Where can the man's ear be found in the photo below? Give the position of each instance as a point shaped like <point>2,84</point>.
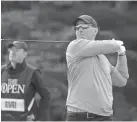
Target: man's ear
<point>96,30</point>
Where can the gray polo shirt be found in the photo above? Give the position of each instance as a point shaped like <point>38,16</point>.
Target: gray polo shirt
<point>91,76</point>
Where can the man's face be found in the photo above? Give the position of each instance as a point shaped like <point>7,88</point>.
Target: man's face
<point>85,31</point>
<point>16,55</point>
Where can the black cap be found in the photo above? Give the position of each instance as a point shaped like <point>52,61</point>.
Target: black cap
<point>87,19</point>
<point>19,44</point>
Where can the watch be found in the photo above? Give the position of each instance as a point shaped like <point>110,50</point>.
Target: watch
<point>122,54</point>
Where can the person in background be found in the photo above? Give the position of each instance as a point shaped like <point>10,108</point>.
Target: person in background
<point>19,83</point>
<point>90,74</point>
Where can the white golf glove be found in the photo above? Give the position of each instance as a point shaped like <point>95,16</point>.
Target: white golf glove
<point>120,43</point>
<point>121,50</point>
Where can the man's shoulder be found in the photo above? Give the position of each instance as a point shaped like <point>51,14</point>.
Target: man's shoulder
<point>33,68</point>
<point>75,45</point>
<point>4,66</point>
<point>71,43</point>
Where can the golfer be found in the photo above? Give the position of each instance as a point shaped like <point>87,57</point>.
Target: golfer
<point>90,74</point>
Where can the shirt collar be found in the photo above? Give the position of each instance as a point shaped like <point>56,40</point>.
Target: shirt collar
<point>19,67</point>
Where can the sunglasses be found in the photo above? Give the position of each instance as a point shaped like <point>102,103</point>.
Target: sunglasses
<point>83,26</point>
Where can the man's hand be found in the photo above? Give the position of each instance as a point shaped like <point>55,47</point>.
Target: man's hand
<point>31,117</point>
<point>122,50</point>
<point>120,43</point>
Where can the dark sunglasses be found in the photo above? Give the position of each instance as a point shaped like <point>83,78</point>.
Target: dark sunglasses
<point>83,26</point>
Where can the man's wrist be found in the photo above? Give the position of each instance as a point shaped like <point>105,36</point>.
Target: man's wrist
<point>122,54</point>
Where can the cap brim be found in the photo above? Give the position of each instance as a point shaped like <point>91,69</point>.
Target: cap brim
<point>75,22</point>
<point>10,45</point>
<point>13,45</point>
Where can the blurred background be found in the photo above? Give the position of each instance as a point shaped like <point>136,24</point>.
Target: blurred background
<point>52,21</point>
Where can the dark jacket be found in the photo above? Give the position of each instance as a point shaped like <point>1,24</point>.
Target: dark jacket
<point>33,83</point>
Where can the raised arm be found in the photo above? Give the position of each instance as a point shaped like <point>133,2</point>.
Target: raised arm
<point>119,73</point>
<point>99,47</point>
<point>85,47</point>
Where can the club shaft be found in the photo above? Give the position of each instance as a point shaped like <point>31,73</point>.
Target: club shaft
<point>45,41</point>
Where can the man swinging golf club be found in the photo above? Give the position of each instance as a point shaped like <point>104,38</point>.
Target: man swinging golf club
<point>90,74</point>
